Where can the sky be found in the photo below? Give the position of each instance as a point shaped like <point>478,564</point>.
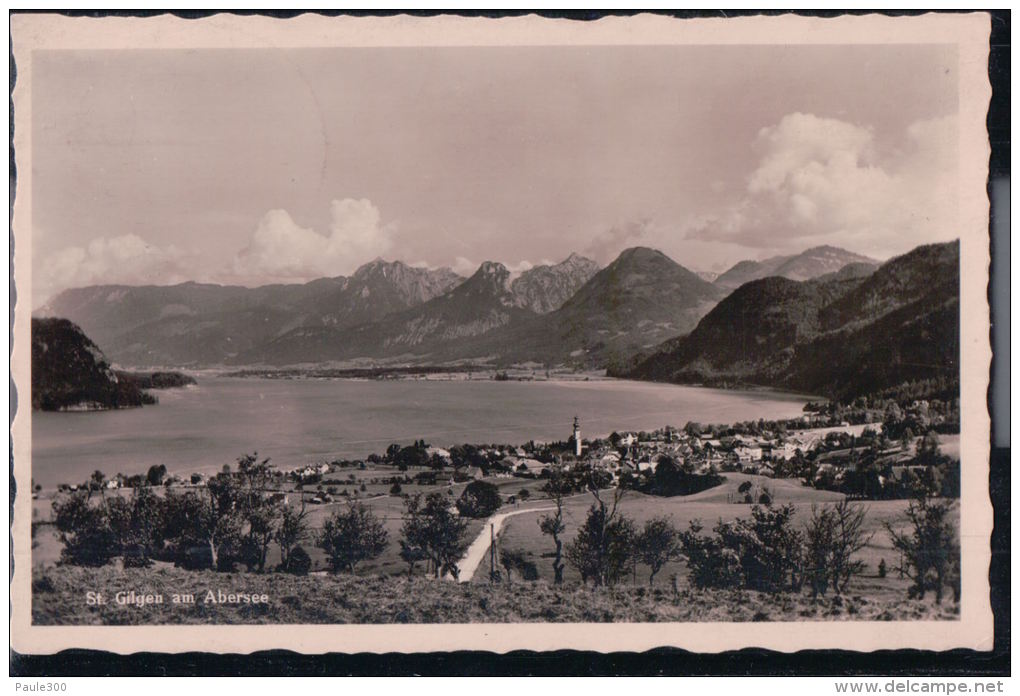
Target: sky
<point>284,165</point>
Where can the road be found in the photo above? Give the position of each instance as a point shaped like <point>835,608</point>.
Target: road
<point>480,546</point>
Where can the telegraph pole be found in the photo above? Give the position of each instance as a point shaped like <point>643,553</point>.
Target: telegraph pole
<point>492,553</point>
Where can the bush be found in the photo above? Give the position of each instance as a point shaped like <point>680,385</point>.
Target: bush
<point>762,553</point>
<point>708,562</point>
<point>514,560</point>
<point>479,499</point>
<point>299,562</point>
<point>84,530</point>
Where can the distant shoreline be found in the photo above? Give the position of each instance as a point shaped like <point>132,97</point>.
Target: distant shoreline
<point>424,373</point>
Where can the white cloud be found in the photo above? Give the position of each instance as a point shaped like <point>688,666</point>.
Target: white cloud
<point>280,249</point>
<point>463,266</point>
<point>608,245</point>
<point>520,267</point>
<point>825,181</point>
<point>126,259</point>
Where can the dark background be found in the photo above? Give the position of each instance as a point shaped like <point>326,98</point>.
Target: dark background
<point>665,661</point>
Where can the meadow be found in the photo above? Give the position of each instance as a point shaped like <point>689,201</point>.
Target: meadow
<point>59,597</point>
<point>382,592</point>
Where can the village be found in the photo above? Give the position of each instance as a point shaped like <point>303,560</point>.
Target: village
<point>821,448</point>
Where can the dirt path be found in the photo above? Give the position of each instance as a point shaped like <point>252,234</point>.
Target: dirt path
<point>480,546</point>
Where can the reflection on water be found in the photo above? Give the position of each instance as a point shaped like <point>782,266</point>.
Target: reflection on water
<point>302,421</point>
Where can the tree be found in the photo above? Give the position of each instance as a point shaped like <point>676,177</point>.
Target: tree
<point>291,532</point>
<point>260,510</point>
<point>97,482</point>
<point>219,522</point>
<point>553,525</point>
<point>657,544</point>
<point>524,494</point>
<point>137,525</point>
<point>414,455</point>
<point>433,533</point>
<point>479,499</point>
<point>928,547</point>
<point>927,450</point>
<point>84,530</point>
<point>156,475</point>
<point>604,544</point>
<point>834,535</point>
<point>350,537</point>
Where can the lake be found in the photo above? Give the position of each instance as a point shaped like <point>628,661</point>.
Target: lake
<point>297,422</point>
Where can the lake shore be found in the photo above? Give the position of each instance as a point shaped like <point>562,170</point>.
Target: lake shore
<point>301,421</point>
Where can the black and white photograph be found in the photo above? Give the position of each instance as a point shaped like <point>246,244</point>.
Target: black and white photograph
<point>503,328</point>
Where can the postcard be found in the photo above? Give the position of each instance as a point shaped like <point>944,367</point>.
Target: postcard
<point>373,334</point>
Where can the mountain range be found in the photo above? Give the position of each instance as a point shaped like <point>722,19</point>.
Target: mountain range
<point>806,265</point>
<point>840,335</point>
<point>570,313</point>
<point>639,300</point>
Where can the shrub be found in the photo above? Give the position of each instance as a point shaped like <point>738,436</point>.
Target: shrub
<point>882,569</point>
<point>298,562</point>
<point>84,530</point>
<point>479,499</point>
<point>761,553</point>
<point>514,560</point>
<point>708,562</point>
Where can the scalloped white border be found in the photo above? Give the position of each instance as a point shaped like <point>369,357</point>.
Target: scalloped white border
<point>970,32</point>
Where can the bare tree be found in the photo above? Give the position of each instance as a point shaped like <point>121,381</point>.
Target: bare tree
<point>553,525</point>
<point>834,535</point>
<point>929,548</point>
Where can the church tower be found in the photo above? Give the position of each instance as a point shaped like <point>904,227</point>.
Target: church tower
<point>577,438</point>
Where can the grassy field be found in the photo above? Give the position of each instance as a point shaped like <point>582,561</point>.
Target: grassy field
<point>521,532</point>
<point>59,597</point>
<point>46,547</point>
